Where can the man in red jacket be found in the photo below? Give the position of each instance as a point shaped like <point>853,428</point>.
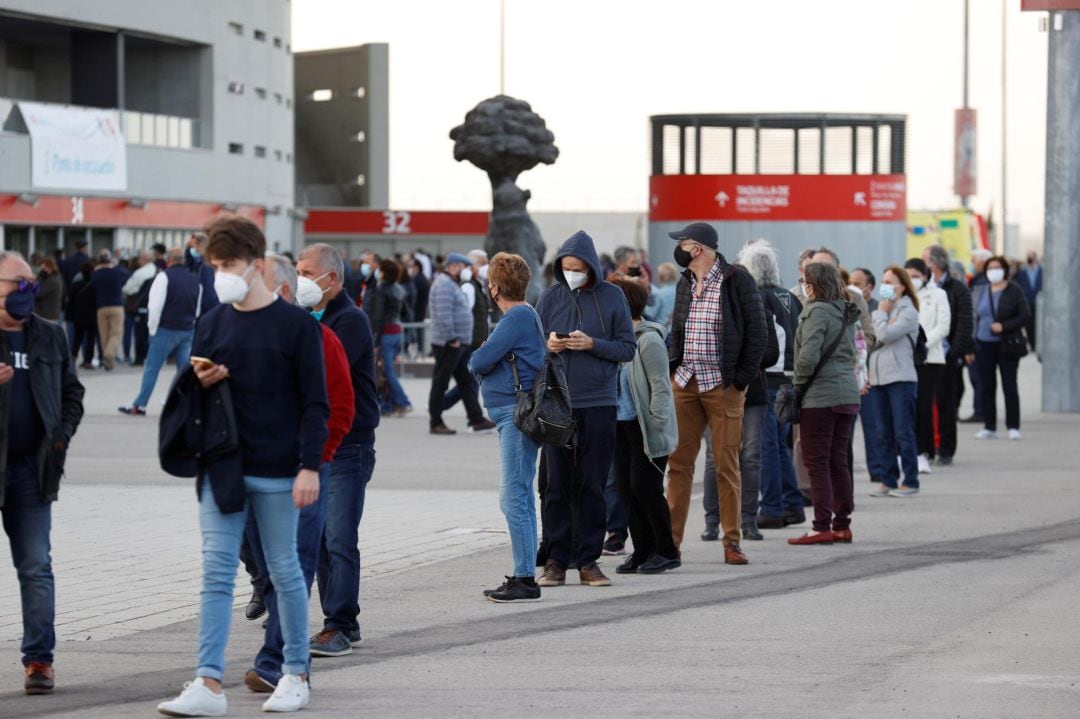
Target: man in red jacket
<point>280,275</point>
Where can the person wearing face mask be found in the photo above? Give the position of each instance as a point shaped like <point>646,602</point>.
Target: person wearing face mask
<point>270,354</point>
<point>451,335</point>
<point>319,288</point>
<point>480,306</point>
<point>279,273</point>
<point>1001,313</point>
<point>894,382</point>
<point>517,336</point>
<point>173,307</point>
<point>935,318</point>
<point>587,323</point>
<point>40,409</point>
<point>195,261</point>
<point>718,338</point>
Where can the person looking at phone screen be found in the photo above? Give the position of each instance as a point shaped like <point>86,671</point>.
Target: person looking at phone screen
<point>270,354</point>
<point>587,323</point>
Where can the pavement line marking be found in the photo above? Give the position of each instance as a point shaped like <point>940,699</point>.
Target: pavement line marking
<point>148,687</point>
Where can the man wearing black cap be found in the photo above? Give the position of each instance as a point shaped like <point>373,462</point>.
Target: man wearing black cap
<point>718,336</point>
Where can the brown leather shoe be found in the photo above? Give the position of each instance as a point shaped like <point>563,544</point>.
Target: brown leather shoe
<point>733,554</point>
<point>591,576</point>
<point>553,576</point>
<point>40,678</point>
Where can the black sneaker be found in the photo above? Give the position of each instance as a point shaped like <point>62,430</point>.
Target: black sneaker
<point>442,429</point>
<point>518,589</point>
<point>501,588</point>
<point>133,410</point>
<point>944,461</point>
<point>629,566</point>
<point>615,545</point>
<point>658,564</point>
<point>771,521</point>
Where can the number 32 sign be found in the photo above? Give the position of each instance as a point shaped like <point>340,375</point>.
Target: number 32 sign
<point>396,223</point>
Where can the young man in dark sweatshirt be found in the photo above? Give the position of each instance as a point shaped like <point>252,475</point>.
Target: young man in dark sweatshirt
<point>354,462</point>
<point>270,354</point>
<point>587,322</point>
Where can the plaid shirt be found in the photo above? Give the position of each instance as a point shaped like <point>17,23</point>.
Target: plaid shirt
<point>701,341</point>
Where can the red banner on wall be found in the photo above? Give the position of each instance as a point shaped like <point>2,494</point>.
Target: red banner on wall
<point>112,212</point>
<point>878,198</point>
<point>1026,5</point>
<point>394,222</point>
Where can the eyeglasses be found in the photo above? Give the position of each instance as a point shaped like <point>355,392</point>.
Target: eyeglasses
<point>24,285</point>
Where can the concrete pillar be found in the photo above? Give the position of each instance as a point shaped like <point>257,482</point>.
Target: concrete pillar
<point>31,244</point>
<point>2,246</point>
<point>1059,340</point>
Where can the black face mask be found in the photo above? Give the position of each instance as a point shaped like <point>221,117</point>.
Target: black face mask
<point>633,271</point>
<point>682,257</point>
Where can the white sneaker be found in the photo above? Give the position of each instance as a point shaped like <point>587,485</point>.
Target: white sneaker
<point>195,701</point>
<point>1014,434</point>
<point>291,695</point>
<point>986,434</point>
<point>924,464</point>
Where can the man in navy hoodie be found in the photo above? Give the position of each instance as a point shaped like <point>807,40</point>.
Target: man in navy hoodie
<point>587,322</point>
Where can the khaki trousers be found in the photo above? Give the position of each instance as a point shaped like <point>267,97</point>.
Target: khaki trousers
<point>721,410</point>
<point>110,322</point>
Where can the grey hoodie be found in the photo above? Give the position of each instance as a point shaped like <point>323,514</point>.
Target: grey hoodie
<point>893,357</point>
<point>650,388</point>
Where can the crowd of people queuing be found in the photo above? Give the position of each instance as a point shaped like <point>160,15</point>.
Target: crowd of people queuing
<point>288,366</point>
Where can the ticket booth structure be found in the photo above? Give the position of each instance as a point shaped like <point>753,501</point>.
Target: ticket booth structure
<point>390,232</point>
<point>796,180</point>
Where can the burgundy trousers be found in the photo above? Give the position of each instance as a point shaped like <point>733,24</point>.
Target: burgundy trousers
<point>825,432</point>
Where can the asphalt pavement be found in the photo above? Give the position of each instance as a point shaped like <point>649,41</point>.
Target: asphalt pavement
<point>961,602</point>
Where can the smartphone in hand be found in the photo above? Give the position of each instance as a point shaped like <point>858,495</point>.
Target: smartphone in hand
<point>202,362</point>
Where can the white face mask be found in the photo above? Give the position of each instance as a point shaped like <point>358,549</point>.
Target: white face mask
<point>466,275</point>
<point>995,275</point>
<point>230,288</point>
<point>575,279</point>
<point>482,273</point>
<point>308,293</point>
<point>918,282</point>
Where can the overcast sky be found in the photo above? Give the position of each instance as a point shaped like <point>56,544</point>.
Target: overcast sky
<point>596,69</point>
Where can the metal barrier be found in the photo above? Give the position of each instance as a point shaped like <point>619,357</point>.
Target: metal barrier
<point>417,342</point>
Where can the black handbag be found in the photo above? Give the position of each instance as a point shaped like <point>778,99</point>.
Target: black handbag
<point>1013,345</point>
<point>789,398</point>
<point>545,414</point>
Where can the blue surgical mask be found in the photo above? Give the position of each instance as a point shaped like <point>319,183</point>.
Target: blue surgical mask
<point>195,254</point>
<point>887,292</point>
<point>365,270</point>
<point>20,304</point>
<point>318,314</point>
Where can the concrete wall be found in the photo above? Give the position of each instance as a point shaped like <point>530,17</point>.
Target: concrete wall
<point>873,245</point>
<point>46,76</point>
<point>204,174</point>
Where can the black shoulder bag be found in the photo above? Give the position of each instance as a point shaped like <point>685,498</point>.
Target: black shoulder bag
<point>545,414</point>
<point>1014,344</point>
<point>789,397</point>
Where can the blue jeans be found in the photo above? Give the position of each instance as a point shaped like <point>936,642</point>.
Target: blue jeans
<point>516,497</point>
<point>618,522</point>
<point>339,552</point>
<point>895,406</point>
<point>163,345</point>
<point>27,522</point>
<point>389,349</point>
<point>779,487</point>
<point>872,440</point>
<point>309,531</point>
<point>271,501</point>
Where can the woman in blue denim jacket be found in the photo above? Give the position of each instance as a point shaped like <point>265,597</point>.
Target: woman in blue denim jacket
<point>518,332</point>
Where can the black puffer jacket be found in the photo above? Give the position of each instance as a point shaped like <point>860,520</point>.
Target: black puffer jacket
<point>1010,309</point>
<point>58,396</point>
<point>384,305</point>
<point>744,336</point>
<point>961,320</point>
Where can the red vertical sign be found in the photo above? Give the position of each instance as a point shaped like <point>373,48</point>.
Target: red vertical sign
<point>964,165</point>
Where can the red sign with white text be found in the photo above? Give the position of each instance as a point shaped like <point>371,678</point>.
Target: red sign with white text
<point>75,211</point>
<point>394,222</point>
<point>867,198</point>
<point>1026,5</point>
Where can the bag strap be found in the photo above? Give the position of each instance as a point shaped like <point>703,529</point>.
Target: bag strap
<point>826,355</point>
<point>513,368</point>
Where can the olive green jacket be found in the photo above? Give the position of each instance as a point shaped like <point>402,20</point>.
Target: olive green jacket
<point>819,324</point>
